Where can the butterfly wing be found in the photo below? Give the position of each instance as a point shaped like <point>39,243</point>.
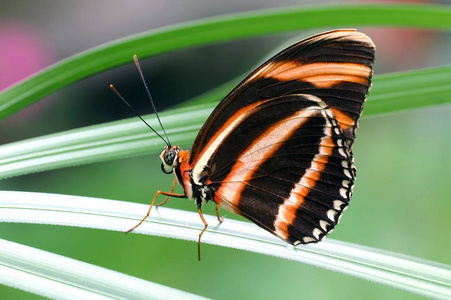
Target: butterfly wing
<point>277,149</point>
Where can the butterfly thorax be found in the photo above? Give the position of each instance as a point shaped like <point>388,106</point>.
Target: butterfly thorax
<point>174,160</point>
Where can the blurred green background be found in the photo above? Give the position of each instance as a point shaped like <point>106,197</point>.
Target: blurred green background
<point>401,199</point>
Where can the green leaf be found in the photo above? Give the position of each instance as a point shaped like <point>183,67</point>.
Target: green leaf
<point>56,277</point>
<point>390,93</point>
<point>421,277</point>
<point>213,30</point>
<point>408,90</point>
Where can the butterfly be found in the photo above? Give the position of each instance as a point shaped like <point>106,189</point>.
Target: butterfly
<point>277,149</point>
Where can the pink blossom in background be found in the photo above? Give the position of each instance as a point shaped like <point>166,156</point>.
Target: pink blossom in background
<point>23,51</point>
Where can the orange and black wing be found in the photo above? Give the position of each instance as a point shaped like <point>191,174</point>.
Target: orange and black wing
<point>277,149</point>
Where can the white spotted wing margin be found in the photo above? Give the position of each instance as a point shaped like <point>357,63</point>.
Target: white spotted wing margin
<point>278,149</point>
<point>295,177</point>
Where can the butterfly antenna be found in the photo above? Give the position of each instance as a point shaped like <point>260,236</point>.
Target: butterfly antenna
<point>136,113</point>
<point>135,58</point>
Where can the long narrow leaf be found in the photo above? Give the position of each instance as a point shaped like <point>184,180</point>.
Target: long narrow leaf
<point>414,275</point>
<point>390,93</point>
<point>58,277</point>
<point>408,90</point>
<point>212,30</point>
<point>98,143</point>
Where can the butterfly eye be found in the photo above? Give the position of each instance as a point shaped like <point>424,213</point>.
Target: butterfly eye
<point>169,158</point>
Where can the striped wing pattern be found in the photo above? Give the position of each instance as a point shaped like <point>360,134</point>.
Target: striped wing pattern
<point>277,149</point>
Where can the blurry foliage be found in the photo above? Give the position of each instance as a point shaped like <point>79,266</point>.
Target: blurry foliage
<point>401,200</point>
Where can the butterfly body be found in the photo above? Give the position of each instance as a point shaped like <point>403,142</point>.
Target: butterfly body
<point>278,149</point>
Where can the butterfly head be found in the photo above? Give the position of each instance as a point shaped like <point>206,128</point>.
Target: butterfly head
<point>169,158</point>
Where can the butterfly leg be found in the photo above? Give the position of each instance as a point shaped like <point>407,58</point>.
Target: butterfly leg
<point>203,230</point>
<point>220,219</point>
<point>172,189</point>
<point>153,202</point>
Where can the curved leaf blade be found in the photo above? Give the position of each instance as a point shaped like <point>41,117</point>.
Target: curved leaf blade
<point>417,276</point>
<point>213,30</point>
<point>55,276</point>
<point>390,93</point>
